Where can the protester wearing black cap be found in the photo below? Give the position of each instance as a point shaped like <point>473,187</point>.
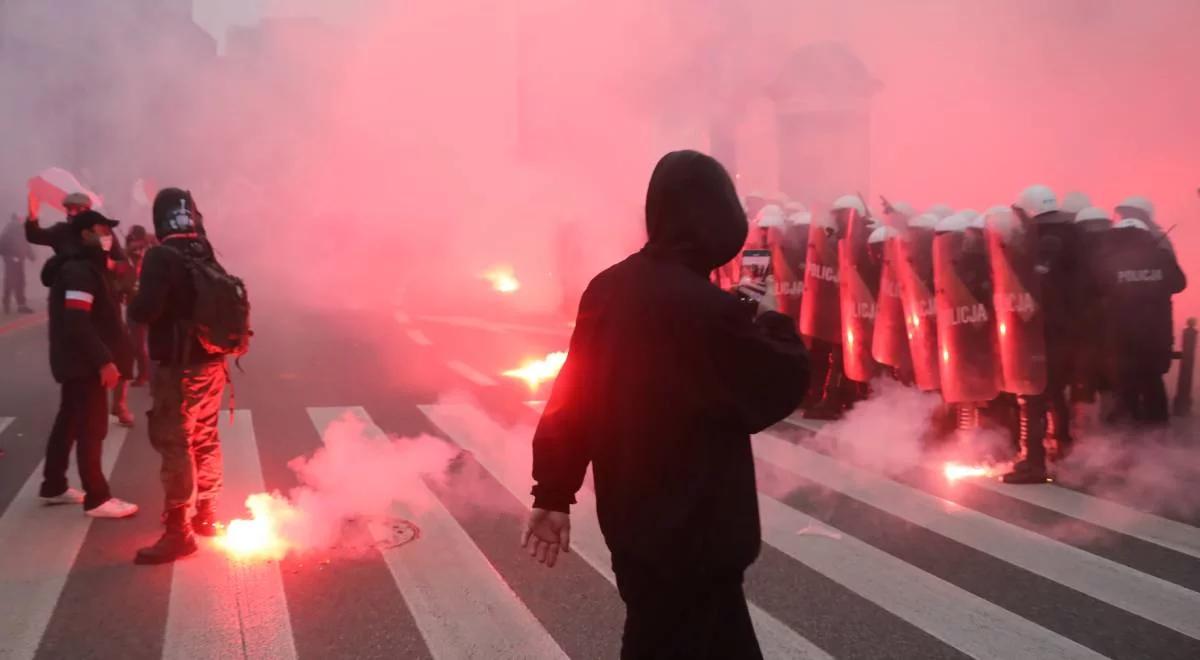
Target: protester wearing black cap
<point>89,352</point>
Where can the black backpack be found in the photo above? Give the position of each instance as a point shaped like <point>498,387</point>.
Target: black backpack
<point>221,316</point>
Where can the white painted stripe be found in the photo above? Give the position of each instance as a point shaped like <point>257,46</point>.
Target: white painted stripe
<point>508,455</point>
<point>1149,597</point>
<point>402,318</point>
<point>461,604</point>
<point>813,425</point>
<point>221,607</point>
<point>40,544</point>
<point>83,296</point>
<point>1148,527</point>
<point>470,374</point>
<point>4,422</point>
<point>419,337</point>
<point>961,619</point>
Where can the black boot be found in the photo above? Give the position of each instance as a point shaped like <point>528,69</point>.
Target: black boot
<point>1032,468</point>
<point>176,542</point>
<point>204,522</point>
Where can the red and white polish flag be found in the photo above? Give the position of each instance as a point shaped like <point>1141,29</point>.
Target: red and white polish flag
<point>53,184</point>
<point>80,300</point>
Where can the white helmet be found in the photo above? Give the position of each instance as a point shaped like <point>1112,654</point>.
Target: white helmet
<point>1037,200</point>
<point>882,234</point>
<point>827,222</point>
<point>970,215</point>
<point>956,222</point>
<point>850,202</point>
<point>1093,214</point>
<point>793,207</point>
<point>940,211</point>
<point>799,218</point>
<point>924,221</point>
<point>769,216</point>
<point>1004,223</point>
<point>904,208</point>
<point>1074,202</point>
<point>1138,204</point>
<point>1131,223</point>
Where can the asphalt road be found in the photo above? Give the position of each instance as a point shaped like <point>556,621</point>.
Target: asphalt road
<point>854,564</point>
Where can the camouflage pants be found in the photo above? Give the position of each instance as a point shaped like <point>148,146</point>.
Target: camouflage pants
<point>183,429</point>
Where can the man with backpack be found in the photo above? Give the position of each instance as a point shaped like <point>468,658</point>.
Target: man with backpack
<point>197,315</point>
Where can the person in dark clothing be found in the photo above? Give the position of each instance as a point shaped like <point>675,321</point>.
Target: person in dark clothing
<point>188,382</point>
<point>89,350</point>
<point>137,242</point>
<point>1047,415</point>
<point>15,251</point>
<point>1138,275</point>
<point>666,378</point>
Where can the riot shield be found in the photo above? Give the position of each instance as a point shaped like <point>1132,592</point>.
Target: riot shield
<point>1020,327</point>
<point>965,318</point>
<point>889,343</point>
<point>915,262</point>
<point>858,287</point>
<point>788,252</point>
<point>820,308</point>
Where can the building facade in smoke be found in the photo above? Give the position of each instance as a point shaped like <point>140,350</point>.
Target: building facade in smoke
<point>97,87</point>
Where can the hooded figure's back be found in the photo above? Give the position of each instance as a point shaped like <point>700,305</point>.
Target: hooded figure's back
<point>666,379</point>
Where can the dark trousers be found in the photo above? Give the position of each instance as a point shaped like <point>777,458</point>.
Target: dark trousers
<point>14,281</point>
<point>684,618</point>
<point>83,422</point>
<point>1142,395</point>
<point>141,357</point>
<point>183,429</point>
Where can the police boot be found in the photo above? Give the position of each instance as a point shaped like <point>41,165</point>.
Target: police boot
<point>1031,469</point>
<point>175,543</point>
<point>204,522</point>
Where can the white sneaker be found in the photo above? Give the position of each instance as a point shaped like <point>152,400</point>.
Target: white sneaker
<point>113,508</point>
<point>68,496</point>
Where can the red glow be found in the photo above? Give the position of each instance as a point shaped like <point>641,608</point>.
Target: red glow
<point>536,372</point>
<point>956,471</point>
<point>502,279</point>
<point>254,538</point>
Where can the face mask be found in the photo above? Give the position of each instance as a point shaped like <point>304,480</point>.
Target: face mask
<point>106,243</point>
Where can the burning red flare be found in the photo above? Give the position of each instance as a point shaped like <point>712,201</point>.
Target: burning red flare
<point>255,538</point>
<point>536,372</point>
<point>955,471</point>
<point>503,279</point>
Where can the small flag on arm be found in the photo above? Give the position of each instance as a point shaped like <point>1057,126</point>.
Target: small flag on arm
<point>80,300</point>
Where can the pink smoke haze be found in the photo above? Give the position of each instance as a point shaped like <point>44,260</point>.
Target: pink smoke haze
<point>354,476</point>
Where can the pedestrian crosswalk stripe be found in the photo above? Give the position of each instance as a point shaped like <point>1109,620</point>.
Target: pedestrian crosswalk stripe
<point>1169,534</point>
<point>973,625</point>
<point>508,459</point>
<point>470,374</point>
<point>39,545</point>
<point>222,607</point>
<point>1149,597</point>
<point>458,599</point>
<point>1176,536</point>
<point>4,422</point>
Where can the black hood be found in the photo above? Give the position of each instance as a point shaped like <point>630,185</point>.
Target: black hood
<point>175,212</point>
<point>693,213</point>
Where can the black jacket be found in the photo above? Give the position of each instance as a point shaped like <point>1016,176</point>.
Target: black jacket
<point>1137,275</point>
<point>165,298</point>
<point>1058,258</point>
<point>59,237</point>
<point>86,331</point>
<point>666,378</point>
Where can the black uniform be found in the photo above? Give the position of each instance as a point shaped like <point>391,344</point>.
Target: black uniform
<point>1062,300</point>
<point>667,377</point>
<point>86,333</point>
<point>1137,276</point>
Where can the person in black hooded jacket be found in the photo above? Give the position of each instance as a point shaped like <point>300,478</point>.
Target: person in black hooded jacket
<point>89,352</point>
<point>666,378</point>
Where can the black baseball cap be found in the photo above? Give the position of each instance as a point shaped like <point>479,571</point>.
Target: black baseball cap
<point>89,219</point>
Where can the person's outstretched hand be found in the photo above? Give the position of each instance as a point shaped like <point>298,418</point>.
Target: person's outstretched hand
<point>34,206</point>
<point>546,534</point>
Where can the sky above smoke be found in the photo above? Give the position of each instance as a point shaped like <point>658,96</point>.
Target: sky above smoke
<point>408,147</point>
